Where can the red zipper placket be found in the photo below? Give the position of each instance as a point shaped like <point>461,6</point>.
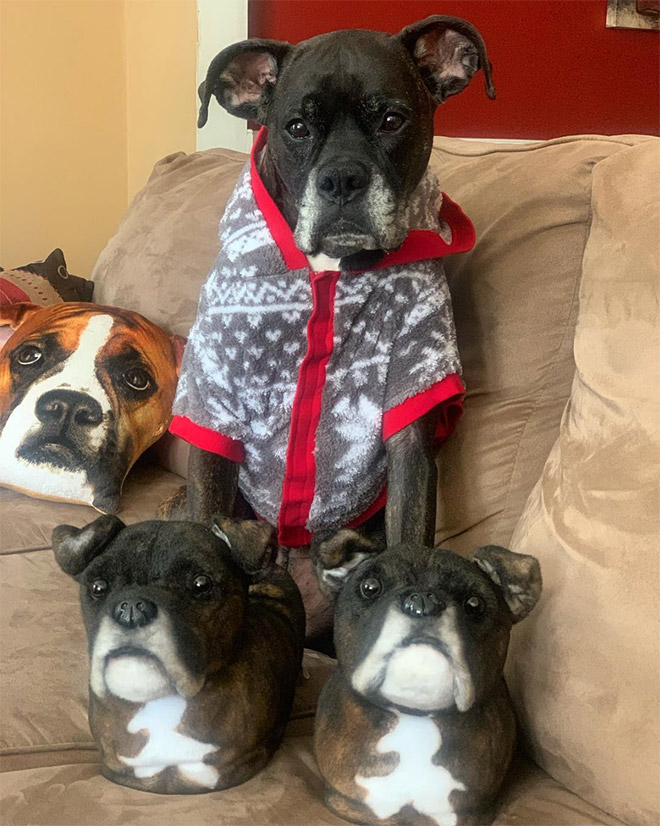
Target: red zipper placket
<point>300,474</point>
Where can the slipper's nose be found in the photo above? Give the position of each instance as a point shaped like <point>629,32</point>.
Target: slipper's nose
<point>134,613</point>
<point>423,604</point>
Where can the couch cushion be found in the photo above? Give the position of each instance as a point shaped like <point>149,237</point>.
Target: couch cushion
<point>168,240</point>
<point>288,792</point>
<point>514,299</point>
<point>584,668</point>
<point>515,304</point>
<point>27,523</point>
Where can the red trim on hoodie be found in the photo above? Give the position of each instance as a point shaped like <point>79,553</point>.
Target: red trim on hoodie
<point>280,230</point>
<point>207,439</point>
<point>419,245</point>
<point>300,473</point>
<point>447,393</point>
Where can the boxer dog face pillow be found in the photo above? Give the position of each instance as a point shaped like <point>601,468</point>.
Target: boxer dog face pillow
<point>84,390</point>
<point>416,724</point>
<point>195,643</point>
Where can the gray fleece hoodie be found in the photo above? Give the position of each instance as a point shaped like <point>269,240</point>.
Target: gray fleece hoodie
<point>301,376</point>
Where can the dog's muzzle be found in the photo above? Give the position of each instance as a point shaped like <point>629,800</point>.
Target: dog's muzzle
<point>341,182</point>
<point>136,675</point>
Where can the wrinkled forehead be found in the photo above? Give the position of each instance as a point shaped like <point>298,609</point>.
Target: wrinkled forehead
<point>152,551</point>
<point>425,567</point>
<point>66,328</point>
<point>105,335</point>
<point>355,65</point>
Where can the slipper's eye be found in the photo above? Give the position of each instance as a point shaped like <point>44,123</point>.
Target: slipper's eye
<point>202,585</point>
<point>474,607</point>
<point>371,587</point>
<point>99,588</point>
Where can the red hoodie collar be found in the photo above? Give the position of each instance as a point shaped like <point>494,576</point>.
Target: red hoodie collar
<point>419,245</point>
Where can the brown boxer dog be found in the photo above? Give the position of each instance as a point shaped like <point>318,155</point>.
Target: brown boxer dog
<point>84,390</point>
<point>337,426</point>
<point>195,644</point>
<point>416,726</point>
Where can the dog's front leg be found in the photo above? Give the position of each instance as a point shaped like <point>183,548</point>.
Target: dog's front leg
<point>411,484</point>
<point>212,485</point>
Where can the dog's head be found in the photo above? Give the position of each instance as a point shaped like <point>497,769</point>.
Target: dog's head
<point>425,630</point>
<point>84,390</point>
<point>350,122</point>
<point>164,603</point>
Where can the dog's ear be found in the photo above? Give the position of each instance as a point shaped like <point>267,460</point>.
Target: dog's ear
<point>242,78</point>
<point>337,556</point>
<point>447,51</point>
<point>253,544</point>
<point>76,547</point>
<point>517,575</point>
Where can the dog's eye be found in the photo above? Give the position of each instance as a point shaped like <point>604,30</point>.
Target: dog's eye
<point>137,379</point>
<point>392,122</point>
<point>99,588</point>
<point>297,129</point>
<point>371,587</point>
<point>28,354</point>
<point>474,606</point>
<point>202,585</point>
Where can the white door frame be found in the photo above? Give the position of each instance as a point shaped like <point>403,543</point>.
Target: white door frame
<point>220,23</point>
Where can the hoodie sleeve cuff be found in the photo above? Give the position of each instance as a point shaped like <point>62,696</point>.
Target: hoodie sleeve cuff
<point>207,439</point>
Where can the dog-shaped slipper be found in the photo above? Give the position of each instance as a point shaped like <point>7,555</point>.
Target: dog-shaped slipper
<point>416,726</point>
<point>195,644</point>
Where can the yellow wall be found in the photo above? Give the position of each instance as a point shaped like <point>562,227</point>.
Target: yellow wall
<point>161,54</point>
<point>93,93</point>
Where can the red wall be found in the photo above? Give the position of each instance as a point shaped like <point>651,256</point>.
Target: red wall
<point>557,69</point>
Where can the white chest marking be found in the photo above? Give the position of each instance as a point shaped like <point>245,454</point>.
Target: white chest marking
<point>167,747</point>
<point>415,781</point>
<point>322,262</point>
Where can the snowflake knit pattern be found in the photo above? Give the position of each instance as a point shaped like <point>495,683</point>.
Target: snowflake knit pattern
<point>299,370</point>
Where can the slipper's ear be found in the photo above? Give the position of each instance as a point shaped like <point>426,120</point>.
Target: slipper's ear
<point>447,51</point>
<point>242,78</point>
<point>517,575</point>
<point>336,557</point>
<point>252,544</point>
<point>76,547</point>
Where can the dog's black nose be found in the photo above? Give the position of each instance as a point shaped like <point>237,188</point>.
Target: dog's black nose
<point>423,604</point>
<point>341,182</point>
<point>68,408</point>
<point>134,613</point>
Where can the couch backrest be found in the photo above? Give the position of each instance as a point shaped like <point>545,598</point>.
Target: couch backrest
<point>515,299</point>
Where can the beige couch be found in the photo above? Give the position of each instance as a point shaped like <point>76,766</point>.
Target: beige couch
<point>557,455</point>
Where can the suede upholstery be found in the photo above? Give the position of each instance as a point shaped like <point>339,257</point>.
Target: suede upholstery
<point>566,237</point>
<point>593,718</point>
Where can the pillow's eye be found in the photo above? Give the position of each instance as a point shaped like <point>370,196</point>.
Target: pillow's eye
<point>297,129</point>
<point>28,354</point>
<point>392,122</point>
<point>99,588</point>
<point>474,607</point>
<point>371,587</point>
<point>137,379</point>
<point>202,585</point>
